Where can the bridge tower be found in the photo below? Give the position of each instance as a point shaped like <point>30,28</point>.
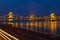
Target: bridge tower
<point>52,16</point>
<point>10,17</point>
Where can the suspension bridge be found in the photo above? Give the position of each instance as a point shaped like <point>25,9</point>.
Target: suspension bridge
<point>10,17</point>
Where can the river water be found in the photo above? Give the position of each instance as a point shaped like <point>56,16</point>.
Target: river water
<point>52,27</point>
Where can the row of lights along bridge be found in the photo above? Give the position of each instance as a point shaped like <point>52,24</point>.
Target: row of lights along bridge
<point>10,17</point>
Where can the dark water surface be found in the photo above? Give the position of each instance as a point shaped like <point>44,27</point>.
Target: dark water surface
<point>52,27</point>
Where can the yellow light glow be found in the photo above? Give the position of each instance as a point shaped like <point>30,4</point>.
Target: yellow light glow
<point>40,24</point>
<point>45,24</point>
<point>31,24</point>
<point>27,25</point>
<point>32,17</point>
<point>52,16</point>
<point>36,24</point>
<point>16,24</point>
<point>53,26</point>
<point>21,25</point>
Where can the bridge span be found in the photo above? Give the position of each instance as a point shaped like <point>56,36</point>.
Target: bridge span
<point>10,17</point>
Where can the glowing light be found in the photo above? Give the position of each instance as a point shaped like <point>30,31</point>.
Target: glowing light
<point>32,17</point>
<point>31,24</point>
<point>27,24</point>
<point>45,24</point>
<point>10,15</point>
<point>16,24</point>
<point>52,16</point>
<point>36,24</point>
<point>40,24</point>
<point>21,24</point>
<point>53,26</point>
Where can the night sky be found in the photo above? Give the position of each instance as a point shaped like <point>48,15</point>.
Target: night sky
<point>27,7</point>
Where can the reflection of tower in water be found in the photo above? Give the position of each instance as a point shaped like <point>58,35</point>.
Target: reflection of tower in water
<point>21,24</point>
<point>27,25</point>
<point>31,25</point>
<point>16,25</point>
<point>53,26</point>
<point>36,25</point>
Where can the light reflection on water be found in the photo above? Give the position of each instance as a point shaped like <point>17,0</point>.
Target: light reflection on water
<point>46,26</point>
